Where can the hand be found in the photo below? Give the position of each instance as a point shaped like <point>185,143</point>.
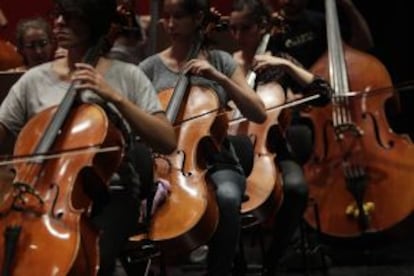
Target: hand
<point>202,68</point>
<point>60,53</point>
<point>321,87</point>
<point>263,62</point>
<point>91,79</point>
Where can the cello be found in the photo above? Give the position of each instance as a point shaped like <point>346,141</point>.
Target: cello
<point>360,173</point>
<point>64,154</point>
<point>189,216</point>
<point>9,57</point>
<point>264,195</point>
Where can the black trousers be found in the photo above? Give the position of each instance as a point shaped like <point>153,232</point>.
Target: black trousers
<point>292,152</point>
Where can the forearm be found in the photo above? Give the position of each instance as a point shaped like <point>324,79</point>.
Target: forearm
<point>154,129</point>
<point>302,76</point>
<point>244,97</point>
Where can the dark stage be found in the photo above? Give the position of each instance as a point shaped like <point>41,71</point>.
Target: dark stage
<point>312,255</point>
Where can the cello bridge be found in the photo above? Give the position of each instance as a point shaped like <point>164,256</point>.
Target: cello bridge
<point>353,211</point>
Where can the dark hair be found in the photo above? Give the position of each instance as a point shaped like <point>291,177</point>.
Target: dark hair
<point>31,23</point>
<point>257,11</point>
<point>97,14</point>
<point>194,6</point>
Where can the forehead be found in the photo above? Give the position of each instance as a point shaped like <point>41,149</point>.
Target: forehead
<point>33,32</point>
<point>238,17</point>
<point>173,4</point>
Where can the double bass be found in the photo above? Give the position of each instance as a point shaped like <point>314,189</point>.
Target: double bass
<point>62,156</point>
<point>360,173</point>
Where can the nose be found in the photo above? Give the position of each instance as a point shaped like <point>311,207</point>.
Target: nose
<point>236,33</point>
<point>38,49</point>
<point>59,19</point>
<point>169,21</point>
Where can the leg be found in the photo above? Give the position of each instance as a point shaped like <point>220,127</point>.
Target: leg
<point>222,247</point>
<point>290,214</point>
<point>117,221</point>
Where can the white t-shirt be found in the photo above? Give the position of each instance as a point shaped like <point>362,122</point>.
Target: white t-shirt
<point>40,88</point>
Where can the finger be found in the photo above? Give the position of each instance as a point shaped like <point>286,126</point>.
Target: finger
<point>84,66</point>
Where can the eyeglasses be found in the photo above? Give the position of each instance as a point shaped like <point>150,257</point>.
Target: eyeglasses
<point>36,44</point>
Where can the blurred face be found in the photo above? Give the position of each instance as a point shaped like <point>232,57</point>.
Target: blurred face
<point>246,32</point>
<point>70,30</point>
<point>36,47</point>
<point>178,23</point>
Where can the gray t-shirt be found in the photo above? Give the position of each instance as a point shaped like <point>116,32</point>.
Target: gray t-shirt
<point>40,88</point>
<point>163,78</point>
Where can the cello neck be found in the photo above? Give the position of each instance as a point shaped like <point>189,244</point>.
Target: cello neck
<point>183,81</point>
<point>261,49</point>
<point>52,130</point>
<point>337,66</point>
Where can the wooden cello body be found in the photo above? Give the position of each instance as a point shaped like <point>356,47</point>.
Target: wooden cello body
<point>360,173</point>
<point>9,57</point>
<point>264,184</point>
<point>189,216</point>
<point>46,210</point>
<point>66,154</point>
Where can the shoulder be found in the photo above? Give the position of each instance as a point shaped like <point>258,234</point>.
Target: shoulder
<point>125,69</point>
<point>150,61</point>
<point>220,54</point>
<point>38,74</point>
<point>221,58</point>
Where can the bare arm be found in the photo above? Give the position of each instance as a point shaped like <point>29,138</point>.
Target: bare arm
<point>302,76</point>
<point>155,129</point>
<point>3,19</point>
<point>247,101</point>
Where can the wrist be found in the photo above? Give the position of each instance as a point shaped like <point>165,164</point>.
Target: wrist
<point>117,99</point>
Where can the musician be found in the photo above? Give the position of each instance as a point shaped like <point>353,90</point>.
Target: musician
<point>34,42</point>
<point>249,20</point>
<point>122,85</point>
<point>131,43</point>
<point>305,38</point>
<point>217,70</point>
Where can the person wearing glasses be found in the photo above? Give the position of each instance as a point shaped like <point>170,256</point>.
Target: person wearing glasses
<point>121,88</point>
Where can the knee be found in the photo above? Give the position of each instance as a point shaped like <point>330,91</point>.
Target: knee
<point>229,196</point>
<point>294,187</point>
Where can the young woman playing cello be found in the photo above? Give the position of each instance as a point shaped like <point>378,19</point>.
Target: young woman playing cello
<point>215,69</point>
<point>77,28</point>
<point>249,21</point>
